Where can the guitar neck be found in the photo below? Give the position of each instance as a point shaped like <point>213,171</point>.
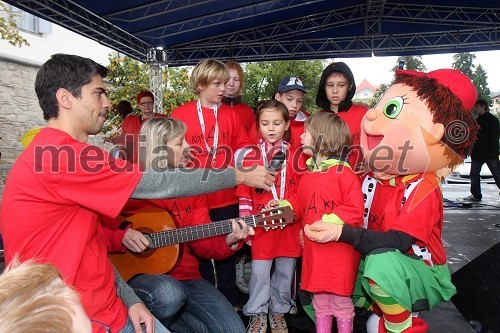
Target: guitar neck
<point>183,235</point>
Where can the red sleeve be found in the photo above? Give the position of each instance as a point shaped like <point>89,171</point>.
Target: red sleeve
<point>421,212</point>
<point>350,205</point>
<point>240,138</point>
<point>210,248</point>
<point>113,235</point>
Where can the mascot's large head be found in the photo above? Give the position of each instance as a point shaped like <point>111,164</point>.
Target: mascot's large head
<point>422,123</point>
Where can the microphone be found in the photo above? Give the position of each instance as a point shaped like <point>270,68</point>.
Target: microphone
<point>275,164</point>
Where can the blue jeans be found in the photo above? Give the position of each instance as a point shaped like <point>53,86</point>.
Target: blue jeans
<point>162,294</point>
<point>129,328</point>
<point>206,311</point>
<point>475,179</point>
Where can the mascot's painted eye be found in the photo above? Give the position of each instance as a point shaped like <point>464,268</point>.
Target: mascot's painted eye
<point>393,107</point>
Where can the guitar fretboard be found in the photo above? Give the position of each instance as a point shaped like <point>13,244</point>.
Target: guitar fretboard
<point>176,236</point>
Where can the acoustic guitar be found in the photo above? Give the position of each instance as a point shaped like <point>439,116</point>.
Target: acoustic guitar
<point>157,225</point>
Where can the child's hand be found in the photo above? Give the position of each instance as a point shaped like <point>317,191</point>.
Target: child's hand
<point>272,204</point>
<point>322,232</point>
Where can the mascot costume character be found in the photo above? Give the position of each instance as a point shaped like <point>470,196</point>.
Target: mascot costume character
<point>422,124</point>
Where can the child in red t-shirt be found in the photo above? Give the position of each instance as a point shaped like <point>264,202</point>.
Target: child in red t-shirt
<point>271,293</point>
<point>329,191</point>
<point>335,92</point>
<point>233,98</point>
<point>213,131</point>
<point>291,92</point>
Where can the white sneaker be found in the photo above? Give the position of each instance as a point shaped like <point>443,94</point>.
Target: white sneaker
<point>372,324</point>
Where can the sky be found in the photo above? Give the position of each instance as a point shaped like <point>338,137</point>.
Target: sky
<point>377,70</point>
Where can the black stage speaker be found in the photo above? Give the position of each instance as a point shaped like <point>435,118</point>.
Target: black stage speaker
<point>478,289</point>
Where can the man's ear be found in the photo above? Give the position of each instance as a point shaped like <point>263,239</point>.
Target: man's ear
<point>63,97</point>
<point>434,135</point>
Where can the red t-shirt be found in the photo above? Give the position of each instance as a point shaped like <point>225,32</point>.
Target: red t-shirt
<point>297,128</point>
<point>352,118</point>
<point>187,212</point>
<point>49,213</point>
<point>231,138</point>
<point>247,118</point>
<point>273,243</point>
<point>329,267</point>
<point>421,215</point>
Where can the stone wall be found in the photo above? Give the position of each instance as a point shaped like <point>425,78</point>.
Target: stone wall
<point>19,110</point>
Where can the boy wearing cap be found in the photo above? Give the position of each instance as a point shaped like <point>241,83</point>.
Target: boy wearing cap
<point>422,124</point>
<point>291,91</point>
<point>335,91</point>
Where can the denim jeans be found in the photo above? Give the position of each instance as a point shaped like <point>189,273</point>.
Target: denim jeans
<point>162,294</point>
<point>206,311</point>
<point>129,328</point>
<point>475,179</point>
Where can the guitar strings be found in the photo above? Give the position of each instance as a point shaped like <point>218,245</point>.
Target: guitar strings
<point>176,236</point>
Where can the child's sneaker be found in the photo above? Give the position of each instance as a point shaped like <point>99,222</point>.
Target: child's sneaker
<point>257,324</point>
<point>278,323</point>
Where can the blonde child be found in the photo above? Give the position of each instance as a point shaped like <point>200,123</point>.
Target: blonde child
<point>329,191</point>
<point>213,131</point>
<point>280,247</point>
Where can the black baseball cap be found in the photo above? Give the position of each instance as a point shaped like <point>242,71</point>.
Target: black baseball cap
<point>291,83</point>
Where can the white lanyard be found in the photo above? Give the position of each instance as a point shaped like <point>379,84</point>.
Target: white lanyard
<point>202,124</point>
<point>283,171</point>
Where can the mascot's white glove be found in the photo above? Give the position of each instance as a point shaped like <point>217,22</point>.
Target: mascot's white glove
<point>322,232</point>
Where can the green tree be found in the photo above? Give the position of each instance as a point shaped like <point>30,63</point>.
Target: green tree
<point>464,62</point>
<point>262,79</point>
<point>127,77</point>
<point>413,63</point>
<point>480,80</point>
<point>410,62</point>
<point>8,27</point>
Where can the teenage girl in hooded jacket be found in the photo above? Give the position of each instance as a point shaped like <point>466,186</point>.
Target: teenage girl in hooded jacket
<point>335,91</point>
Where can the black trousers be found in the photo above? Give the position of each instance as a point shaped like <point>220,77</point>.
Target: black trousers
<point>225,270</point>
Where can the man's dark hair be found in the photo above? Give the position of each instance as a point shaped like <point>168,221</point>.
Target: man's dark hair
<point>482,103</point>
<point>66,71</point>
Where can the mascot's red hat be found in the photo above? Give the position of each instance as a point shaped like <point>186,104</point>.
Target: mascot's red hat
<point>459,83</point>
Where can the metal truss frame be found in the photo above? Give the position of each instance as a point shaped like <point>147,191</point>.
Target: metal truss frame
<point>452,29</point>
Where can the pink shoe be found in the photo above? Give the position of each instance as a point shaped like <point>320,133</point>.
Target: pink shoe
<point>345,325</point>
<point>324,324</point>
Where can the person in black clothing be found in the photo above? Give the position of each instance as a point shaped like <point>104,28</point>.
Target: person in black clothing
<point>485,149</point>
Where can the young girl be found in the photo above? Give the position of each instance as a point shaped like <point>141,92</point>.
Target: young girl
<point>329,191</point>
<point>214,132</point>
<point>233,97</point>
<point>270,294</point>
